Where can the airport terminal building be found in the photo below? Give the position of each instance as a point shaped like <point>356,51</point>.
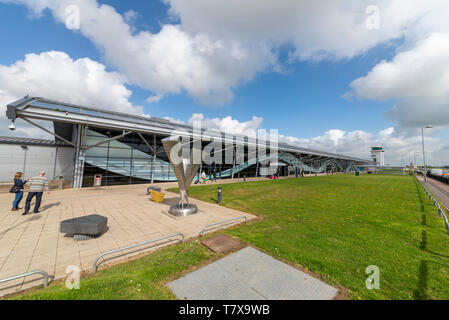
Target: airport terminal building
<point>127,149</point>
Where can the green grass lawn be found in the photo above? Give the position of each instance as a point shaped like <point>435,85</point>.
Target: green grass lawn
<point>334,226</point>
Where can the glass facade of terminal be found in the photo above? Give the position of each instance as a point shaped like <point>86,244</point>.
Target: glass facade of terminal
<point>129,160</point>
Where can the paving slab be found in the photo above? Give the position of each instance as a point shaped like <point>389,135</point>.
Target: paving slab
<point>249,274</point>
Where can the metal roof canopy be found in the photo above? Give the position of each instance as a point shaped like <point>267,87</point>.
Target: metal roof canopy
<point>50,110</point>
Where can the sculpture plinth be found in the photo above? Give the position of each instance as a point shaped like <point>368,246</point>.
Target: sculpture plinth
<point>185,170</point>
<point>179,210</point>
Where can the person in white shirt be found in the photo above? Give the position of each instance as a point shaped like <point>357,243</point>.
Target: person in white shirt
<point>203,177</point>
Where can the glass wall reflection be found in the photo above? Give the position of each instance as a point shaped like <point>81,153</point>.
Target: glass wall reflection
<point>124,161</point>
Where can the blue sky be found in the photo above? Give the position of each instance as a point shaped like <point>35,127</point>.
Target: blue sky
<point>303,101</point>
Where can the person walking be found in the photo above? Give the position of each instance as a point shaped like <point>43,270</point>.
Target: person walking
<point>215,175</point>
<point>37,186</point>
<point>203,176</point>
<point>17,189</point>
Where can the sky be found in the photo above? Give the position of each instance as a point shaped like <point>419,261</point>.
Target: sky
<point>337,76</point>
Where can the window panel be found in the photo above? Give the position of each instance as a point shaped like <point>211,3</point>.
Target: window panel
<point>119,153</point>
<point>97,152</point>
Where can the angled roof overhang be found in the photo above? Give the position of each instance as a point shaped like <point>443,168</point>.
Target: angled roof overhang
<point>60,112</point>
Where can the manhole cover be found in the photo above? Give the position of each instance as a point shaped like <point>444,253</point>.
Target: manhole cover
<point>222,243</point>
<point>249,274</point>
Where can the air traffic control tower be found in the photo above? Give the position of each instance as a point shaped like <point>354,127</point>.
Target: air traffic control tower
<point>377,155</point>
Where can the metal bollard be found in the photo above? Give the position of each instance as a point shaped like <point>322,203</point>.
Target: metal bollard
<point>219,195</point>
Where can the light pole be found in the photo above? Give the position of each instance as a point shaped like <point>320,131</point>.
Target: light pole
<point>25,149</point>
<point>423,152</point>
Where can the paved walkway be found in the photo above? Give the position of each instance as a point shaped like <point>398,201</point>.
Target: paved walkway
<point>249,274</point>
<point>439,189</point>
<point>33,242</point>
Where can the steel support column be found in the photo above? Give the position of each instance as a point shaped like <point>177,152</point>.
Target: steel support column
<point>233,166</point>
<point>257,167</point>
<point>80,155</point>
<point>154,159</point>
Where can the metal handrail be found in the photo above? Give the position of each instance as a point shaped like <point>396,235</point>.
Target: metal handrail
<point>94,269</point>
<point>23,275</point>
<point>207,226</point>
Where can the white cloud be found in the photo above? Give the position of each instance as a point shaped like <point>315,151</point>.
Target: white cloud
<point>316,29</point>
<point>174,120</point>
<point>417,78</point>
<point>171,61</point>
<point>356,143</point>
<point>131,16</point>
<point>229,125</point>
<point>55,75</point>
<point>219,45</point>
<point>155,99</point>
<point>426,64</point>
<point>226,124</point>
